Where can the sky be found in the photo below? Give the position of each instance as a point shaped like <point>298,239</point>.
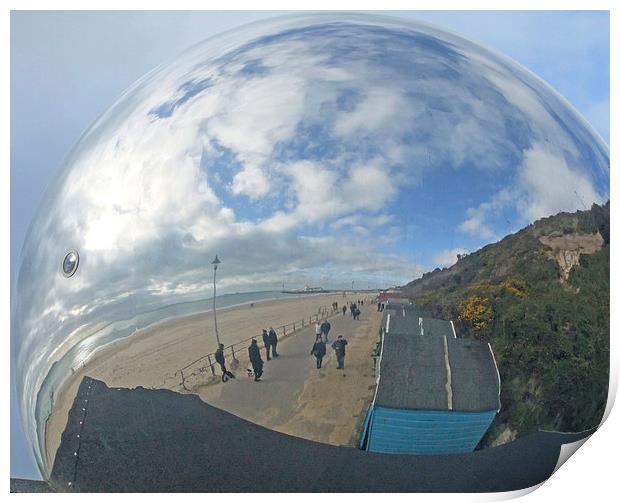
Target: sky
<point>67,68</point>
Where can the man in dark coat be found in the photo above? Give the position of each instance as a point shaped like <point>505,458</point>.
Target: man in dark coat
<point>325,328</point>
<point>318,350</point>
<point>344,310</point>
<point>273,342</point>
<point>219,358</point>
<point>339,346</point>
<point>267,343</point>
<point>255,360</point>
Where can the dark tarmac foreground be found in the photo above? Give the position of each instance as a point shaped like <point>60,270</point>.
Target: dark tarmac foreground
<point>140,440</point>
<point>30,486</point>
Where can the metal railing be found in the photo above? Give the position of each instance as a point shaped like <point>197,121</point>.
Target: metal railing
<point>207,362</point>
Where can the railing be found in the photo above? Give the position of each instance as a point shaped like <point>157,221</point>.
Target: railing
<point>207,362</point>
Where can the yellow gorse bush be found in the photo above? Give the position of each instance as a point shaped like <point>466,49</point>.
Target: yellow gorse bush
<point>477,311</point>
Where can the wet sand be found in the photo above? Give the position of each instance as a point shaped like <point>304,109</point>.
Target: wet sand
<point>151,358</point>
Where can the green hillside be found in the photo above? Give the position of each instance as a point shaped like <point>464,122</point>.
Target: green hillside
<point>541,297</point>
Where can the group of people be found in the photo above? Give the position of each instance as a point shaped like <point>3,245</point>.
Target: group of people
<point>322,330</point>
<point>319,349</point>
<point>270,341</point>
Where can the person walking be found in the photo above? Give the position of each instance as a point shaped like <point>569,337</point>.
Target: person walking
<point>255,360</point>
<point>325,328</point>
<point>318,350</point>
<point>317,330</point>
<point>339,347</point>
<point>344,310</point>
<point>273,342</point>
<point>267,343</point>
<point>353,308</point>
<point>219,358</point>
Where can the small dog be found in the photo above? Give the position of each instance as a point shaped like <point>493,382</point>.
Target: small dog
<point>250,373</point>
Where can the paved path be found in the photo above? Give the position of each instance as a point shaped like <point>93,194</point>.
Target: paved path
<point>273,400</point>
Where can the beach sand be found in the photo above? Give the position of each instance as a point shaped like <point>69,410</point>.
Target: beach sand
<point>151,357</point>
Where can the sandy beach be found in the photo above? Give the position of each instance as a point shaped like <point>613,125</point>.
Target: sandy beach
<point>151,357</point>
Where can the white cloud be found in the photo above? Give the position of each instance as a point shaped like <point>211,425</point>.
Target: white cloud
<point>362,220</point>
<point>253,115</point>
<point>252,182</point>
<point>477,224</point>
<point>549,185</point>
<point>324,194</point>
<point>545,184</point>
<point>380,108</point>
<point>447,258</point>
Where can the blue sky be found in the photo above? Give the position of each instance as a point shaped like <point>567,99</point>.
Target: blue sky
<point>67,68</point>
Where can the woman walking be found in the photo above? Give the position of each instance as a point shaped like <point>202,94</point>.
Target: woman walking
<point>318,350</point>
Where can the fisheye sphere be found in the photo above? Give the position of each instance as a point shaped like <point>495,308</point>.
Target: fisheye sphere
<point>346,151</point>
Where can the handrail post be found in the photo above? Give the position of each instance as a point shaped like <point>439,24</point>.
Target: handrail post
<point>211,365</point>
<point>183,381</point>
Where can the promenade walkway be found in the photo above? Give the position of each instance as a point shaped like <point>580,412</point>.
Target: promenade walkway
<point>295,397</point>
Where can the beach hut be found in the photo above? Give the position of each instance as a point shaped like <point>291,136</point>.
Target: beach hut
<point>436,393</point>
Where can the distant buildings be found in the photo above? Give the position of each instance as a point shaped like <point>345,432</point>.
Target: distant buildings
<point>393,296</point>
<point>436,393</point>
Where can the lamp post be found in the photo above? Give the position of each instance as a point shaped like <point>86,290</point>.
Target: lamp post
<point>215,263</point>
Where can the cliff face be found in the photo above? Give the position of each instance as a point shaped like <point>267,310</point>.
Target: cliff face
<point>541,297</point>
<point>567,248</point>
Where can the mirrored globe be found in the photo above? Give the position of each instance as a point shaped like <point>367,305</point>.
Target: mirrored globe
<point>322,158</point>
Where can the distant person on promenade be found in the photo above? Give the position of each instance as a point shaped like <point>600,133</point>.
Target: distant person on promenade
<point>325,328</point>
<point>255,360</point>
<point>273,342</point>
<point>219,358</point>
<point>318,350</point>
<point>339,346</point>
<point>356,313</point>
<point>267,343</point>
<point>317,330</point>
<point>353,308</point>
<point>344,310</point>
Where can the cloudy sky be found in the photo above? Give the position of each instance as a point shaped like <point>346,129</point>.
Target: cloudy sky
<point>340,128</point>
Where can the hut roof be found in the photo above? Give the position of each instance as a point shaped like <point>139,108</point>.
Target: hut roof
<point>425,367</point>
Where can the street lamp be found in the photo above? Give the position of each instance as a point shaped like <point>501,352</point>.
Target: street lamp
<point>215,264</point>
